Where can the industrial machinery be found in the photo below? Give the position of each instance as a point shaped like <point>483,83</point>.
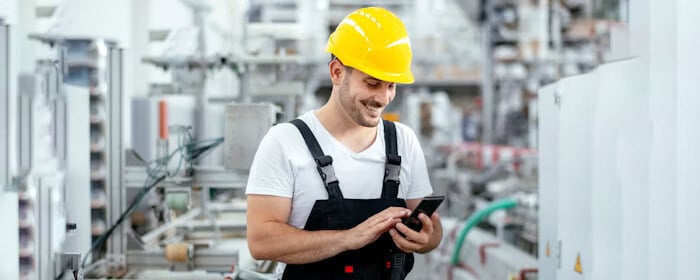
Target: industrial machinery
<point>50,173</point>
<point>9,263</point>
<point>186,217</point>
<point>40,180</point>
<point>86,207</point>
<point>490,220</point>
<point>92,65</point>
<point>179,210</point>
<point>80,212</point>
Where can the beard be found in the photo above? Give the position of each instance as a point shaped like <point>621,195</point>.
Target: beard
<point>355,109</point>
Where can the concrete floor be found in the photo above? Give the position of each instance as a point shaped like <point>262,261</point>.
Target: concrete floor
<point>420,269</point>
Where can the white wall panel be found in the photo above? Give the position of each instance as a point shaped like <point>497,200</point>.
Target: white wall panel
<point>548,182</point>
<point>644,195</point>
<point>602,161</point>
<point>662,113</point>
<point>575,173</point>
<point>633,168</point>
<point>688,141</point>
<point>606,212</point>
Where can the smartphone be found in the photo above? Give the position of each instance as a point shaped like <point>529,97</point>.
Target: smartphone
<point>427,206</point>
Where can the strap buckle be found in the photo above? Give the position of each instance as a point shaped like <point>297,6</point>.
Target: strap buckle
<point>324,165</point>
<point>327,174</point>
<point>324,161</point>
<point>392,172</point>
<point>393,159</point>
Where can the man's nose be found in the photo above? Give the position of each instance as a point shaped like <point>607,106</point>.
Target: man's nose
<point>383,97</point>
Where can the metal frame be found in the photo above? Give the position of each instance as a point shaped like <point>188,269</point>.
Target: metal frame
<point>44,209</point>
<point>151,238</point>
<point>204,259</point>
<point>115,190</point>
<point>26,88</point>
<point>203,176</point>
<point>60,113</point>
<point>9,215</point>
<point>212,225</point>
<point>487,85</point>
<point>39,176</point>
<point>5,107</point>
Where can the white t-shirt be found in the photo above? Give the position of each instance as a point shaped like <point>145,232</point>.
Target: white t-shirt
<point>283,166</point>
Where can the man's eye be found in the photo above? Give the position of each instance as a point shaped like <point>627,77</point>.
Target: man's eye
<point>372,85</point>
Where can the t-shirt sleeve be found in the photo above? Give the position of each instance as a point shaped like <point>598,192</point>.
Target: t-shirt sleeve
<point>419,181</point>
<point>271,172</point>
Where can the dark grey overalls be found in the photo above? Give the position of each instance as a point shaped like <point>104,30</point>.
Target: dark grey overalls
<point>378,260</point>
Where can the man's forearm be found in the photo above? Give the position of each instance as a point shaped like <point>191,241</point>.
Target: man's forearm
<point>284,243</point>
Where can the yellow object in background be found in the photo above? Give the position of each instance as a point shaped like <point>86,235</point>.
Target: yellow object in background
<point>177,252</point>
<point>577,267</point>
<point>391,116</point>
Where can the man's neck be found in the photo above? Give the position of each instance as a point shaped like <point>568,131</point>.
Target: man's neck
<point>354,136</point>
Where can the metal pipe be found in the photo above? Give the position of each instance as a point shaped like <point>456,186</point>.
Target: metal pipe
<point>487,86</point>
<point>474,219</point>
<point>153,235</point>
<point>115,183</point>
<point>5,103</point>
<point>203,259</point>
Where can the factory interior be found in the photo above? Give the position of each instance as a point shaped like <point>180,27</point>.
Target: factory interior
<point>563,134</point>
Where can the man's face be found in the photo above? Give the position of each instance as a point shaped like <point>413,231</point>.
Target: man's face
<point>364,98</point>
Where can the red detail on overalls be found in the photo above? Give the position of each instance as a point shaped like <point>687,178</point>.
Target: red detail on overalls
<point>348,269</point>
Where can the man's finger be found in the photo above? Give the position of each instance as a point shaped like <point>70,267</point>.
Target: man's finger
<point>412,235</point>
<point>427,223</point>
<point>385,224</point>
<point>402,243</point>
<point>393,210</point>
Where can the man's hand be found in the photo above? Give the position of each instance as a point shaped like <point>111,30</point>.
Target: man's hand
<point>413,241</point>
<point>371,229</point>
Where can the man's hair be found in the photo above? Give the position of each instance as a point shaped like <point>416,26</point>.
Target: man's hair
<point>347,68</point>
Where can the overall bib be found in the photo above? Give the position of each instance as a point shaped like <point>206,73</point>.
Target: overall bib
<point>378,260</point>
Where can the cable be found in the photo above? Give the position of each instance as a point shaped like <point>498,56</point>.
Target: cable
<point>158,170</point>
<point>131,207</point>
<point>95,264</point>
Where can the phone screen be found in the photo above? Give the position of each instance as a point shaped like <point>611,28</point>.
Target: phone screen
<point>427,206</point>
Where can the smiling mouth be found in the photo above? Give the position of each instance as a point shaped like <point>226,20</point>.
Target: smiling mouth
<point>374,110</point>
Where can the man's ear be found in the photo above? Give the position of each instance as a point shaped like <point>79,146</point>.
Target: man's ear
<point>337,72</point>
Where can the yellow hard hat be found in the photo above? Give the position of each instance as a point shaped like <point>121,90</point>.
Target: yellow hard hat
<point>374,41</point>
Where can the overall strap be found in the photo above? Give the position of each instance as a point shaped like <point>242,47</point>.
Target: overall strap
<point>392,168</point>
<point>324,163</point>
<point>390,190</point>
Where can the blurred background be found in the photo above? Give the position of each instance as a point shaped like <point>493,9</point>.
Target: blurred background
<point>563,132</point>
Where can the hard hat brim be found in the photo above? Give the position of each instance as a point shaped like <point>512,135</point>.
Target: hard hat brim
<point>399,78</point>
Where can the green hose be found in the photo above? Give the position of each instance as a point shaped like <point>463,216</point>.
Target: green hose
<point>475,219</point>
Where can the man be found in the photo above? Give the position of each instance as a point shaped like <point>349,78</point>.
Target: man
<point>326,193</point>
